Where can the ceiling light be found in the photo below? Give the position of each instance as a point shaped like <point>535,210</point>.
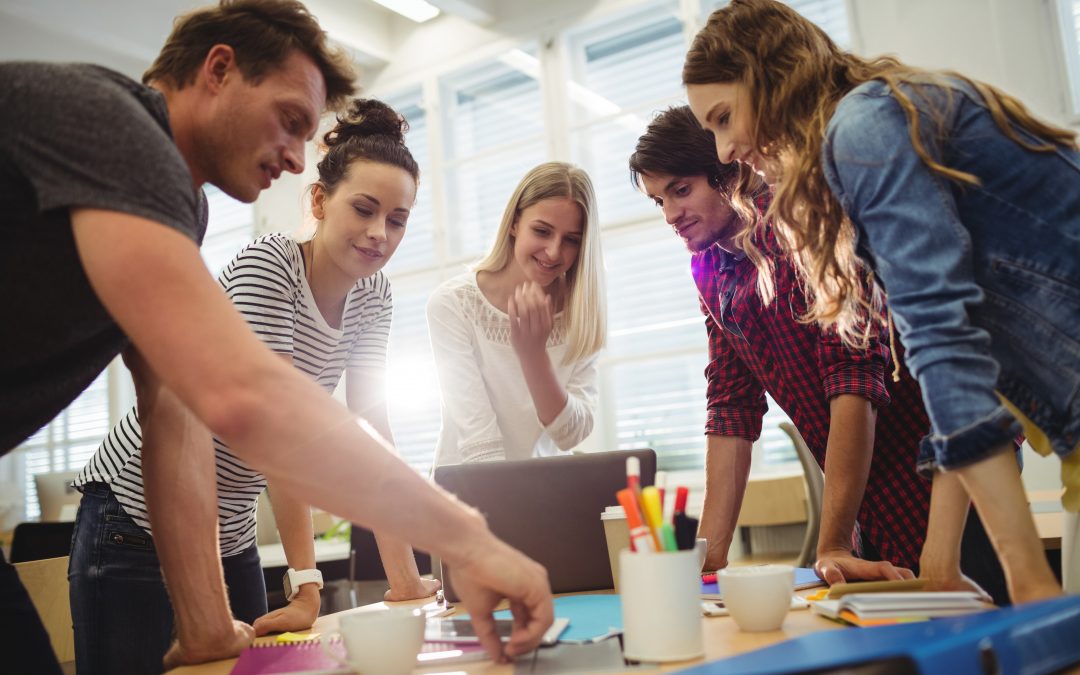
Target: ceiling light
<point>417,10</point>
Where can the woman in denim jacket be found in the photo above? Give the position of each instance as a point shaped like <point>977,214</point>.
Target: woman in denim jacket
<point>966,208</point>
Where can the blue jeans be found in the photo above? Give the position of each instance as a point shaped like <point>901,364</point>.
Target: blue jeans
<point>120,610</point>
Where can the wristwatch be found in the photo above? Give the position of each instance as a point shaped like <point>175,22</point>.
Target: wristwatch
<point>294,579</point>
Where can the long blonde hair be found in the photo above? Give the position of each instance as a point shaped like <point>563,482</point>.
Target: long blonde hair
<point>585,305</point>
<point>796,77</point>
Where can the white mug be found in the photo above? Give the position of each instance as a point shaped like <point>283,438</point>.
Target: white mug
<point>380,641</point>
<point>758,597</point>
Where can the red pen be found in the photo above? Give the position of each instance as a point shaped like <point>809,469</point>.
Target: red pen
<point>681,494</point>
<point>640,536</point>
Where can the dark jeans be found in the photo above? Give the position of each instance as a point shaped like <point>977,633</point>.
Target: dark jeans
<point>24,644</point>
<point>122,616</point>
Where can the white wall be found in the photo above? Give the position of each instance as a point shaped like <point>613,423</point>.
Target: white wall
<point>1012,44</point>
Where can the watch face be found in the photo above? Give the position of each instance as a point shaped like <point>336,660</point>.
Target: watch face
<point>287,586</point>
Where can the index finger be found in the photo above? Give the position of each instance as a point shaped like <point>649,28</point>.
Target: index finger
<point>532,617</point>
<point>484,625</point>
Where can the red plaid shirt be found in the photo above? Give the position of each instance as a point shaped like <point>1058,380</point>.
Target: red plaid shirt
<point>755,348</point>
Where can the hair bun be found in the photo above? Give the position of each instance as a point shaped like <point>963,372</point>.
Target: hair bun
<point>367,117</point>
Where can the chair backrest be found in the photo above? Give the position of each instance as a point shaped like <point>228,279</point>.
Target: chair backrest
<point>37,541</point>
<point>815,487</point>
<point>365,563</point>
<point>47,585</point>
<point>549,509</point>
<point>54,492</point>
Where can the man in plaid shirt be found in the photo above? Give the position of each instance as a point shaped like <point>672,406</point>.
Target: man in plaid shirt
<point>863,431</point>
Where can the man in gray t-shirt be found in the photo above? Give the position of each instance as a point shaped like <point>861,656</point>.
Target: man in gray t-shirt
<point>100,183</point>
<point>59,337</point>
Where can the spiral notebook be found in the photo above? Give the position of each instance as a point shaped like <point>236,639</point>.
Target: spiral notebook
<point>308,657</point>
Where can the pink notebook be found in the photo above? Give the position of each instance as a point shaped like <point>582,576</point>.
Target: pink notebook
<point>308,657</point>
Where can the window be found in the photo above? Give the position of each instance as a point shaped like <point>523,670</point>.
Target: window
<point>623,70</point>
<point>68,442</point>
<point>1069,25</point>
<point>412,388</point>
<point>494,122</point>
<point>830,15</point>
<point>420,233</point>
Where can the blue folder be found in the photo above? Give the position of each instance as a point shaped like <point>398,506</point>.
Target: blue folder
<point>1041,637</point>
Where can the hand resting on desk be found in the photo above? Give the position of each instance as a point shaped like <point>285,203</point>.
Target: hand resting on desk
<point>242,637</point>
<point>423,588</point>
<point>839,565</point>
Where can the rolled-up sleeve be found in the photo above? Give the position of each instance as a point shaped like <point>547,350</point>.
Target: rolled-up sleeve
<point>922,252</point>
<point>854,371</point>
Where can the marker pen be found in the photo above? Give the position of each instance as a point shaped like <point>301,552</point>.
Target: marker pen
<point>650,499</point>
<point>633,475</point>
<point>640,537</point>
<point>660,481</point>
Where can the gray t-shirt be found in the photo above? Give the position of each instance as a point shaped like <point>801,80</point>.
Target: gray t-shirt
<point>72,135</point>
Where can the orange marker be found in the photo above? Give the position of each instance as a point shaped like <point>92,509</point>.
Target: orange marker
<point>641,538</point>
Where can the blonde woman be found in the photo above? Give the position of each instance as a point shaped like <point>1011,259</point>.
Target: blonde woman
<point>516,338</point>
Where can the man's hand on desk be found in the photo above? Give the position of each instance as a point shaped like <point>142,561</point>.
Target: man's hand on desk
<point>421,588</point>
<point>299,614</point>
<point>836,566</point>
<point>496,571</point>
<point>212,649</point>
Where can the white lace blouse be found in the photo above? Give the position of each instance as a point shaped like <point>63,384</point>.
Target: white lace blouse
<point>487,411</point>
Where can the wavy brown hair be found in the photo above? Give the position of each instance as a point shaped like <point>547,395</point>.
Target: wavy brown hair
<point>795,76</point>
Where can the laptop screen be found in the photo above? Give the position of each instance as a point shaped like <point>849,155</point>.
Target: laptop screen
<point>549,509</point>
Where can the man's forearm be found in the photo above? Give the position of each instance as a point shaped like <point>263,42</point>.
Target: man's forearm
<point>727,469</point>
<point>181,497</point>
<point>848,455</point>
<point>273,417</point>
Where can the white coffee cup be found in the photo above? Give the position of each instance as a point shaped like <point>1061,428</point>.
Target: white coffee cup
<point>380,641</point>
<point>758,597</point>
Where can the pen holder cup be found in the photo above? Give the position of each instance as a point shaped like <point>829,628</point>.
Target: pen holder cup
<point>661,605</point>
<point>617,535</point>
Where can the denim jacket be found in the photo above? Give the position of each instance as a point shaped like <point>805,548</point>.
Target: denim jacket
<point>983,280</point>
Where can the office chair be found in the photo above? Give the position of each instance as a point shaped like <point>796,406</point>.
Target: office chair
<point>815,487</point>
<point>38,541</point>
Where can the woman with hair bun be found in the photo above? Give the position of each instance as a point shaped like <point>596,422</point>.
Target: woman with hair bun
<point>325,306</point>
<point>516,338</point>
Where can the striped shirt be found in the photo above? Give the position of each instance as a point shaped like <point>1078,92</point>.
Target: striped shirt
<point>267,284</point>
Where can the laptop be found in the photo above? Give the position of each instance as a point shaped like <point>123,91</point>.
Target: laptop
<point>58,500</point>
<point>549,509</point>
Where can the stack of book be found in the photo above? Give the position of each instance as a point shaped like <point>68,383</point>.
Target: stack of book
<point>876,609</point>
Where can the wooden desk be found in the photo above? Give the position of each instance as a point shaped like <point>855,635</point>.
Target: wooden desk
<point>1049,516</point>
<point>722,638</point>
